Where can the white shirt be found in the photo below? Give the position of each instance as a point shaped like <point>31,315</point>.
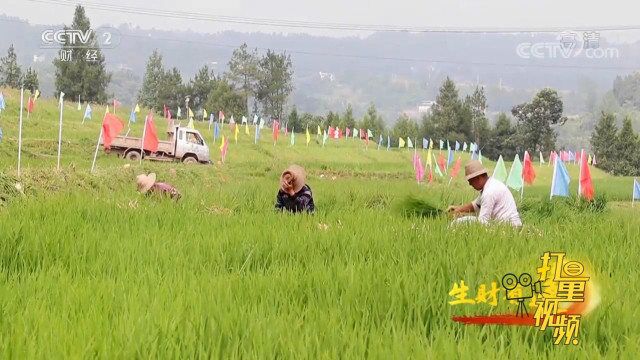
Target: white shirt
<point>496,203</point>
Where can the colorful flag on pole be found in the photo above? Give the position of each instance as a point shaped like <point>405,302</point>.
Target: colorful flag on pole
<point>216,131</point>
<point>457,146</point>
<point>276,130</point>
<point>190,123</point>
<point>137,108</point>
<point>449,156</point>
<point>116,104</point>
<point>256,136</point>
<point>419,169</point>
<point>308,136</point>
<point>325,136</point>
<point>223,149</point>
<point>204,114</point>
<point>369,134</point>
<point>36,94</point>
<point>319,131</point>
<point>179,113</point>
<point>3,105</point>
<point>585,185</point>
<point>636,190</point>
<point>400,143</point>
<point>87,113</point>
<point>514,180</point>
<point>293,137</point>
<point>425,143</point>
<point>456,167</point>
<point>541,158</point>
<point>442,163</point>
<point>111,127</point>
<point>190,113</point>
<point>441,144</point>
<point>429,158</point>
<point>132,116</point>
<point>236,131</point>
<point>388,142</point>
<point>31,105</point>
<point>528,172</point>
<point>464,146</point>
<point>150,141</point>
<point>244,120</point>
<point>500,172</point>
<point>560,181</point>
<point>255,119</point>
<point>409,143</point>
<point>379,141</point>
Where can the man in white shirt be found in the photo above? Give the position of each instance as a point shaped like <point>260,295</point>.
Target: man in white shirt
<point>495,202</point>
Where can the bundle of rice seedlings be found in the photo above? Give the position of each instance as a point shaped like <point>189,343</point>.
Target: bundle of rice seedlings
<point>412,206</point>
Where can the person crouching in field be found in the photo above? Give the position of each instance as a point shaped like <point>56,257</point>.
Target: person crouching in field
<point>495,202</point>
<point>147,185</point>
<point>294,194</point>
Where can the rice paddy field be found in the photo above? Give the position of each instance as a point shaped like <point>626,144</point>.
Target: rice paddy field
<point>91,269</point>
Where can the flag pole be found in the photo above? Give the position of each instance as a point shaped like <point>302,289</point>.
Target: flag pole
<point>144,133</point>
<point>95,154</point>
<point>60,128</point>
<point>20,129</point>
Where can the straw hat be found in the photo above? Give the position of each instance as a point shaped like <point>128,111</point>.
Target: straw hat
<point>293,178</point>
<point>145,182</point>
<point>473,168</point>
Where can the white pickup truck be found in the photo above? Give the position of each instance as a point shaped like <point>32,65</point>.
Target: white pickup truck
<point>188,146</point>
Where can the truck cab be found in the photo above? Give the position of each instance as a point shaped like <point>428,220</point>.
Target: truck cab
<point>190,146</point>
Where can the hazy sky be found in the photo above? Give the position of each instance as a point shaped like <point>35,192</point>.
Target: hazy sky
<point>441,13</point>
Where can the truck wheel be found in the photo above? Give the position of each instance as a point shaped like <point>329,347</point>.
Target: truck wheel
<point>189,160</point>
<point>133,156</point>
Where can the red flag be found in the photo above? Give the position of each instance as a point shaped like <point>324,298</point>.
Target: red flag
<point>276,129</point>
<point>586,186</point>
<point>31,105</point>
<point>221,116</point>
<point>528,173</point>
<point>111,127</point>
<point>442,162</point>
<point>348,132</point>
<point>150,141</point>
<point>456,168</point>
<point>331,132</point>
<point>363,134</point>
<point>116,103</point>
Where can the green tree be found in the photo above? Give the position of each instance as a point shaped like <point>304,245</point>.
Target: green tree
<point>477,103</point>
<point>535,120</point>
<point>171,91</point>
<point>85,74</point>
<point>224,97</point>
<point>10,72</point>
<point>628,154</point>
<point>200,87</point>
<point>333,119</point>
<point>372,121</point>
<point>405,127</point>
<point>30,80</point>
<point>347,120</point>
<point>275,83</point>
<point>244,71</point>
<point>294,122</point>
<point>152,82</point>
<point>308,120</point>
<point>502,139</point>
<point>604,141</point>
<point>451,118</point>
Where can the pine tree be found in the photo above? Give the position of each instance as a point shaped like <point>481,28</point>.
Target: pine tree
<point>628,156</point>
<point>502,139</point>
<point>450,118</point>
<point>604,140</point>
<point>85,74</point>
<point>244,72</point>
<point>224,97</point>
<point>372,121</point>
<point>405,127</point>
<point>152,82</point>
<point>275,83</point>
<point>347,120</point>
<point>10,72</point>
<point>171,91</point>
<point>478,105</point>
<point>30,81</point>
<point>293,120</point>
<point>201,86</point>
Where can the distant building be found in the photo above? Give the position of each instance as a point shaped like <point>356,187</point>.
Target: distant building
<point>38,58</point>
<point>425,107</point>
<point>328,76</point>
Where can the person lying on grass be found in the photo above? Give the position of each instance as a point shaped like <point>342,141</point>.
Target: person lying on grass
<point>147,185</point>
<point>294,195</point>
<point>495,202</point>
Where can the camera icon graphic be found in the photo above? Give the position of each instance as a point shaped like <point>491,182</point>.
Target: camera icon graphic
<point>521,288</point>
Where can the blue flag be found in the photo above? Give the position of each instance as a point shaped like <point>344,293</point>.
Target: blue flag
<point>474,156</point>
<point>1,135</point>
<point>425,143</point>
<point>636,187</point>
<point>216,131</point>
<point>87,113</point>
<point>132,116</point>
<point>450,157</point>
<point>457,146</point>
<point>560,181</point>
<point>2,104</point>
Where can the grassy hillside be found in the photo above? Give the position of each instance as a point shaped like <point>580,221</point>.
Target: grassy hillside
<point>92,269</point>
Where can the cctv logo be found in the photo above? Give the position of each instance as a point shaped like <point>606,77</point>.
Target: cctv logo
<point>67,37</point>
